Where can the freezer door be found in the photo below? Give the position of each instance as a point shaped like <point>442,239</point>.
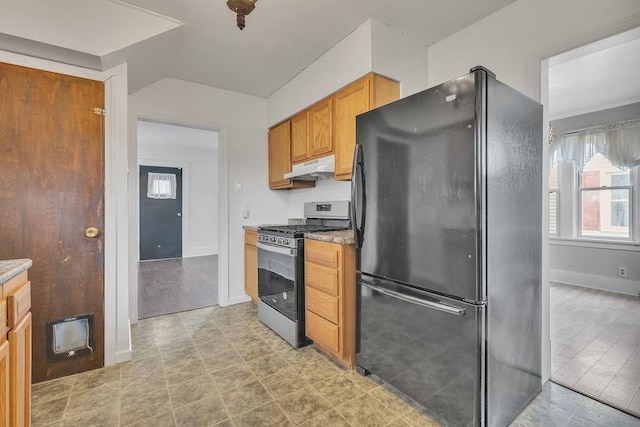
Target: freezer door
<point>417,175</point>
<point>425,346</point>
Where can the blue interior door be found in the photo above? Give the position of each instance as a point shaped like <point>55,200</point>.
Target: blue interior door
<point>160,212</point>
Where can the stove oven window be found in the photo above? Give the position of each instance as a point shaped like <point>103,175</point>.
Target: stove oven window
<point>277,281</point>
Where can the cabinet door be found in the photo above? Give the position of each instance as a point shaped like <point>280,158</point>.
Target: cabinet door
<point>20,373</point>
<point>251,271</point>
<point>300,137</point>
<point>4,384</point>
<point>320,118</point>
<point>348,103</point>
<point>279,155</point>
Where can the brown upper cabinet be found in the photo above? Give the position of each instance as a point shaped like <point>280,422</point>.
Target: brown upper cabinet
<point>370,92</point>
<point>327,127</point>
<point>300,137</point>
<point>280,159</point>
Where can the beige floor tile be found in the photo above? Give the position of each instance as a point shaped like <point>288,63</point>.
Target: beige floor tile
<point>144,406</point>
<point>180,372</point>
<point>162,420</point>
<point>206,348</point>
<point>218,362</point>
<point>192,391</point>
<point>253,349</point>
<point>295,356</point>
<point>96,378</point>
<point>85,401</point>
<point>142,384</point>
<point>245,397</point>
<point>363,382</point>
<point>338,389</point>
<point>172,343</point>
<point>183,354</point>
<point>267,365</point>
<point>102,417</point>
<point>206,412</point>
<point>233,377</point>
<point>144,366</point>
<point>267,415</point>
<point>318,369</point>
<point>394,403</point>
<point>48,411</point>
<point>304,405</point>
<point>50,390</point>
<point>285,382</point>
<point>398,423</point>
<point>276,343</point>
<point>331,418</point>
<point>366,411</point>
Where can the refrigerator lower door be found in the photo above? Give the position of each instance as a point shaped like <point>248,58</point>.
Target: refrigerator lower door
<point>424,345</point>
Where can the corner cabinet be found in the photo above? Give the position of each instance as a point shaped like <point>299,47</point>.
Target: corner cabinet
<point>280,159</point>
<point>370,92</point>
<point>330,307</point>
<point>251,265</point>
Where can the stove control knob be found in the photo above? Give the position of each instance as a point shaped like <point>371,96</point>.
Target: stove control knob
<point>280,241</point>
<point>273,240</point>
<point>286,241</point>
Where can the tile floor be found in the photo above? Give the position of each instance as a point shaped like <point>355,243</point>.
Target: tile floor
<point>595,344</point>
<point>221,366</point>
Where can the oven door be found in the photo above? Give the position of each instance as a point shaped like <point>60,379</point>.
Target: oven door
<point>280,274</point>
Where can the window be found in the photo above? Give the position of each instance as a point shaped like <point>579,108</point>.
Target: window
<point>161,186</point>
<point>554,205</point>
<point>604,200</point>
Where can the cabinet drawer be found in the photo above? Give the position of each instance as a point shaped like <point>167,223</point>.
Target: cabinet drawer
<point>322,253</point>
<point>321,304</point>
<point>251,238</point>
<point>322,278</point>
<point>19,304</point>
<point>322,331</point>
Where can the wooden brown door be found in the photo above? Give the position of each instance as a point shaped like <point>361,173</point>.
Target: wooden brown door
<point>51,191</point>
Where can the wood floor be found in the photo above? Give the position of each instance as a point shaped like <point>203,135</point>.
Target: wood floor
<point>174,285</point>
<point>595,344</point>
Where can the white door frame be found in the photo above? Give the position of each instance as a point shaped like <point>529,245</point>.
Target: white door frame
<point>537,80</point>
<point>117,342</point>
<point>223,201</point>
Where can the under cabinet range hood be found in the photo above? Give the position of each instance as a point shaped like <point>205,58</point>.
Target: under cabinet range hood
<point>313,170</point>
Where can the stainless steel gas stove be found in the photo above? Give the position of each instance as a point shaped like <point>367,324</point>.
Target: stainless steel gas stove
<point>281,267</point>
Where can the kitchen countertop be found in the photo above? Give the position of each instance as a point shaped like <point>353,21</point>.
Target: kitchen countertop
<point>250,227</point>
<point>12,267</point>
<point>342,237</point>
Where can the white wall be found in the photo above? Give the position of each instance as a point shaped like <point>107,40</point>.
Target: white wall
<point>243,119</point>
<point>509,43</point>
<point>196,151</point>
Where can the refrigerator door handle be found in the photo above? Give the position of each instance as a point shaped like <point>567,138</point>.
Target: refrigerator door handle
<point>423,302</point>
<point>358,221</point>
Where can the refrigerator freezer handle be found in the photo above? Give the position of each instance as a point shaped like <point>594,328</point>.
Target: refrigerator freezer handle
<point>358,182</point>
<point>437,305</point>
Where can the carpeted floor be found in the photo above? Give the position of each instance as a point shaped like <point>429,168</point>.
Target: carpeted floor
<point>178,284</point>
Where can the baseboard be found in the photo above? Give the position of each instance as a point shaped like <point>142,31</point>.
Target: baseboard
<point>610,284</point>
<point>203,251</point>
<point>124,356</point>
<point>239,300</point>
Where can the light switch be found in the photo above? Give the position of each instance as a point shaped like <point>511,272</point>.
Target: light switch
<point>245,211</point>
<point>238,186</point>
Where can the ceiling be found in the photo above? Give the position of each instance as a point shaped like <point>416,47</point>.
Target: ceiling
<point>198,41</point>
<point>595,77</point>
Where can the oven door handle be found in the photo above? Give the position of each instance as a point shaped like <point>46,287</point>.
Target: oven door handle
<point>283,251</point>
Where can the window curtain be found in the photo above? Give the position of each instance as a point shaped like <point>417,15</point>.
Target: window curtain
<point>618,142</point>
<point>161,186</point>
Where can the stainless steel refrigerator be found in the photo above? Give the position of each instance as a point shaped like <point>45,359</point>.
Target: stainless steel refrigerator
<point>447,202</point>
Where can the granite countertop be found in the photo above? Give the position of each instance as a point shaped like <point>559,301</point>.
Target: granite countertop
<point>290,221</point>
<point>12,267</point>
<point>250,227</point>
<point>342,237</point>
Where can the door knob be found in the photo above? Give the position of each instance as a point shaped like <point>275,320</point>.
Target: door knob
<point>91,232</point>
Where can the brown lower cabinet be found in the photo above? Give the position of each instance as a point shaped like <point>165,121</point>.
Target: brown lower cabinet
<point>15,352</point>
<point>330,299</point>
<point>251,265</point>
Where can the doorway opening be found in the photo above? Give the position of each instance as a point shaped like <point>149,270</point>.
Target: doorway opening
<point>178,218</point>
<point>594,220</point>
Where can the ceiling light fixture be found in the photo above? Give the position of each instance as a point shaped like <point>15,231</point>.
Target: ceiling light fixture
<point>242,8</point>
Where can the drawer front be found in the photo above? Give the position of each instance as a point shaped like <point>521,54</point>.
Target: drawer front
<point>19,304</point>
<point>322,278</point>
<point>322,331</point>
<point>323,253</point>
<point>3,321</point>
<point>250,238</point>
<point>321,304</point>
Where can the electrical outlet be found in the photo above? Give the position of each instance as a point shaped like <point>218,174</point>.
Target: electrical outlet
<point>622,271</point>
